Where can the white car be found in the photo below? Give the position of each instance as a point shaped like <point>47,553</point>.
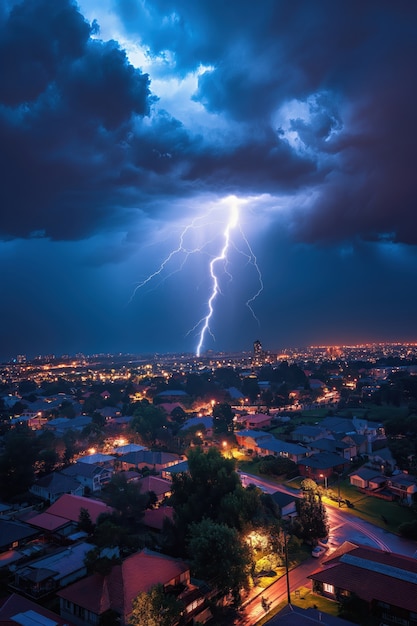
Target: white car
<point>318,551</point>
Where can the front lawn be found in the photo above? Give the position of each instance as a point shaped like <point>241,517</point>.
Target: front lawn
<point>304,598</point>
<point>382,513</point>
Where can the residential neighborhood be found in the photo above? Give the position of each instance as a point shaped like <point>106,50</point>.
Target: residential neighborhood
<point>95,526</point>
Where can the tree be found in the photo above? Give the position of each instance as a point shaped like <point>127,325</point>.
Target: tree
<point>98,563</point>
<point>312,522</point>
<point>219,555</point>
<point>222,418</point>
<point>156,608</point>
<point>70,440</point>
<point>126,498</point>
<point>109,533</point>
<point>27,386</point>
<point>147,422</point>
<point>17,462</point>
<point>84,521</point>
<point>200,492</point>
<point>354,609</point>
<point>277,466</point>
<point>250,388</point>
<point>66,409</point>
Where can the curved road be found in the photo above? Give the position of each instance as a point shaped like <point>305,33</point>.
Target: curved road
<point>343,527</point>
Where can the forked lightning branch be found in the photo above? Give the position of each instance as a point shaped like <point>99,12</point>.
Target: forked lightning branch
<point>220,226</point>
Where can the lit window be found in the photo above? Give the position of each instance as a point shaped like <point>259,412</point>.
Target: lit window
<point>328,588</point>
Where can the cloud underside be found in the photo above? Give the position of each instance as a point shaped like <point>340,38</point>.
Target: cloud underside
<point>318,102</point>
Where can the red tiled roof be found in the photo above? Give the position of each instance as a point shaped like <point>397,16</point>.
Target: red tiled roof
<point>159,486</point>
<point>69,507</point>
<point>118,589</point>
<point>154,518</point>
<point>372,585</point>
<point>15,605</point>
<point>46,521</point>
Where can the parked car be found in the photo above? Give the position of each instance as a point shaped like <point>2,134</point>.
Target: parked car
<point>318,551</point>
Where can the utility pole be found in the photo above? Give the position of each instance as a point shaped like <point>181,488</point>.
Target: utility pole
<point>286,568</point>
<point>338,489</point>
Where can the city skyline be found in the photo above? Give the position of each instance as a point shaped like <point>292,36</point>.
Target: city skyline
<point>124,124</point>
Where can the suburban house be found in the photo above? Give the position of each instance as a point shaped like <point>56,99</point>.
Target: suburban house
<point>249,438</point>
<point>205,423</point>
<point>307,434</point>
<point>258,420</point>
<point>277,447</point>
<point>156,461</point>
<point>44,576</point>
<point>321,466</point>
<point>127,447</point>
<point>88,600</point>
<point>14,534</point>
<point>62,517</point>
<point>159,486</point>
<point>172,395</point>
<point>286,504</point>
<point>367,478</point>
<point>92,477</point>
<point>109,412</point>
<point>62,425</point>
<point>385,581</point>
<point>17,610</point>
<point>178,468</point>
<point>97,458</point>
<point>336,446</point>
<point>53,486</point>
<point>70,507</point>
<point>155,518</point>
<point>403,487</point>
<point>382,458</point>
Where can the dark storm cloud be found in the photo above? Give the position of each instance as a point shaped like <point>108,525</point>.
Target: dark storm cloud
<point>80,154</point>
<point>360,54</point>
<point>66,107</point>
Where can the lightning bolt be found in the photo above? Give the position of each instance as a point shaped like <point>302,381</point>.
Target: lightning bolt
<point>217,265</point>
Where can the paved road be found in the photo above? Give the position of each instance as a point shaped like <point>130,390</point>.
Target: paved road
<point>254,609</point>
<point>346,527</point>
<point>343,527</point>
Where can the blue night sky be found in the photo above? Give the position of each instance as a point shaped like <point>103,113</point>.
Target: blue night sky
<point>132,129</point>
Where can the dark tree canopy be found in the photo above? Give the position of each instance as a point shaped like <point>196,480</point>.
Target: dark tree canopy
<point>222,418</point>
<point>312,523</point>
<point>147,421</point>
<point>199,492</point>
<point>220,555</point>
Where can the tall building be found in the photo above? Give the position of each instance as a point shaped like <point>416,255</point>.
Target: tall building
<point>257,348</point>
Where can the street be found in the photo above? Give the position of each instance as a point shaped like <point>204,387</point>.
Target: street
<point>343,527</point>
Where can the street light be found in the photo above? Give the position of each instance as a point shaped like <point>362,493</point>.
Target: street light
<point>325,480</point>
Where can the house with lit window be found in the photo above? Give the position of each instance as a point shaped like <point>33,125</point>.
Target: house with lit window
<point>90,475</point>
<point>279,448</point>
<point>386,582</point>
<point>13,535</point>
